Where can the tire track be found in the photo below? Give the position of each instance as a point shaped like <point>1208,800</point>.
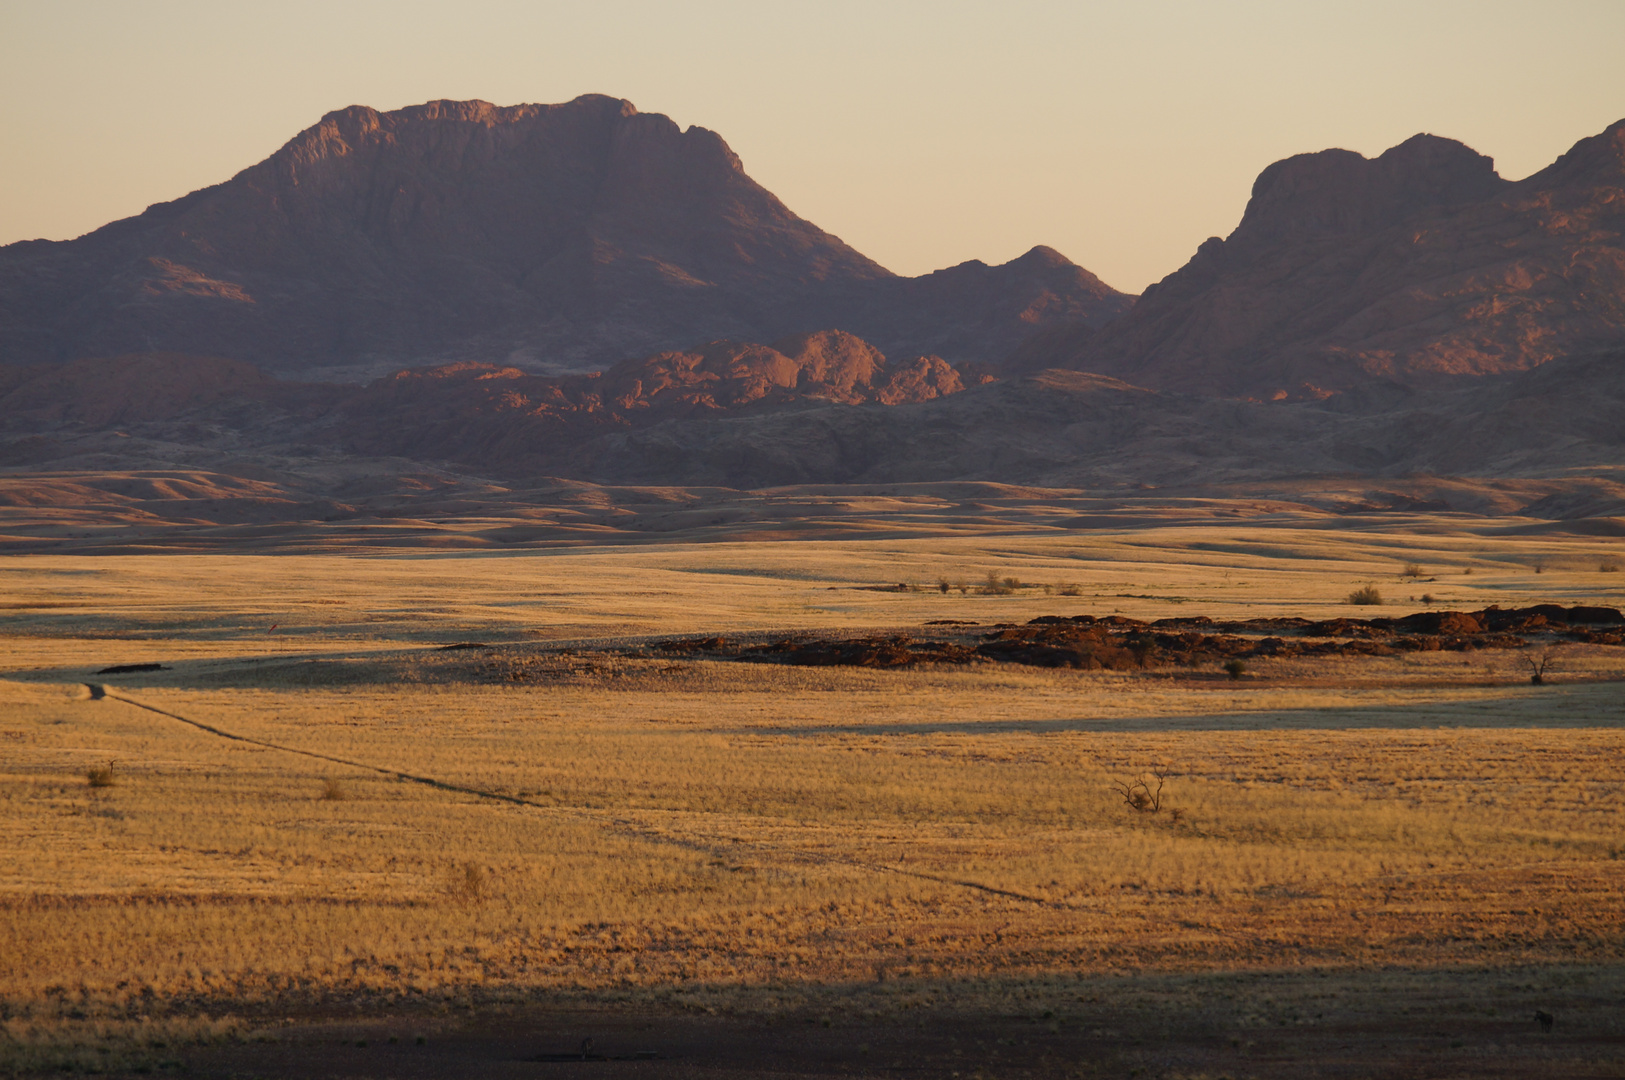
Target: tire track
<point>708,844</point>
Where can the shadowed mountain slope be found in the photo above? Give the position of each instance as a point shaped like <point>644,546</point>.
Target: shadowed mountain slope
<point>554,237</point>
<point>1417,267</point>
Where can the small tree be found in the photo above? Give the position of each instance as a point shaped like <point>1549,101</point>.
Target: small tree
<point>1236,669</point>
<point>1138,794</point>
<point>1539,666</point>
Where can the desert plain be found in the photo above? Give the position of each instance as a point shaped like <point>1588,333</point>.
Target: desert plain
<point>306,835</point>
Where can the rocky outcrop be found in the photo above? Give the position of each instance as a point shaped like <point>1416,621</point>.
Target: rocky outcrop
<point>503,417</point>
<point>1419,267</point>
<point>554,238</point>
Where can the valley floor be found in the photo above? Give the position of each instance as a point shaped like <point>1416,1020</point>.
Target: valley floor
<point>313,827</point>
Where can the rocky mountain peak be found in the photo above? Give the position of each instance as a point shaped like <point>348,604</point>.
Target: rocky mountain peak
<point>1596,161</point>
<point>1336,192</point>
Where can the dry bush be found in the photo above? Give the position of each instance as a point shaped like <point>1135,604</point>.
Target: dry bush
<point>333,790</point>
<point>994,585</point>
<point>102,776</point>
<point>467,884</point>
<point>1138,794</point>
<point>1412,570</point>
<point>1608,566</point>
<point>1366,595</point>
<point>1070,589</point>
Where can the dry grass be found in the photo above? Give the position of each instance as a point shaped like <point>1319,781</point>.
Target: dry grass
<point>650,825</point>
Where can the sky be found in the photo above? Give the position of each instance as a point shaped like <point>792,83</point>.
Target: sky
<point>923,134</point>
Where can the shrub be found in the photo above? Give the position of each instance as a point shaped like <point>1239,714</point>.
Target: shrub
<point>1427,598</point>
<point>1235,668</point>
<point>1070,589</point>
<point>997,586</point>
<point>1412,570</point>
<point>1138,794</point>
<point>1365,594</point>
<point>333,791</point>
<point>1608,567</point>
<point>466,884</point>
<point>101,775</point>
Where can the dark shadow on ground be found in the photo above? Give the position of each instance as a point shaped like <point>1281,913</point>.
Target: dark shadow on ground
<point>1283,1024</point>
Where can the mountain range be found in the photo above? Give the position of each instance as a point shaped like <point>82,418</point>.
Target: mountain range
<point>583,290</point>
<point>556,238</point>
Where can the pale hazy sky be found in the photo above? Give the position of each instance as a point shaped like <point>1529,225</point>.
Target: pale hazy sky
<point>923,134</point>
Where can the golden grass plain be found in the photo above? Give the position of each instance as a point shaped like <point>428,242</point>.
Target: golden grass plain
<point>392,824</point>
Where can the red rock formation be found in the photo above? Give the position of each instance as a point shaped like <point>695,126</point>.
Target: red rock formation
<point>483,412</point>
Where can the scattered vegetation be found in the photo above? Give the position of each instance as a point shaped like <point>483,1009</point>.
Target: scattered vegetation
<point>1366,595</point>
<point>994,585</point>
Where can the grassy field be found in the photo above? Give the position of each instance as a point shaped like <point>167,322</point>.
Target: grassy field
<point>313,807</point>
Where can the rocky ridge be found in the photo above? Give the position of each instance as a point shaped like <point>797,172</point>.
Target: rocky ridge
<point>1419,267</point>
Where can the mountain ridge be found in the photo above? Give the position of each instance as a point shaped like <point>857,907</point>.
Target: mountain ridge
<point>556,237</point>
<point>1419,266</point>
